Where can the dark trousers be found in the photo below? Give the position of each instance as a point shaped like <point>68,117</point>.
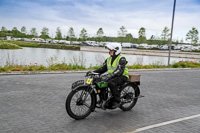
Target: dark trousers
<point>114,84</point>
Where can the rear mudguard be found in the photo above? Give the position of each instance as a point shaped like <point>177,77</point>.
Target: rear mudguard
<point>137,89</point>
<point>93,93</point>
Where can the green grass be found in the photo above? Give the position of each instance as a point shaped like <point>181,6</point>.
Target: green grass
<point>198,51</point>
<point>25,44</point>
<point>38,45</point>
<point>138,66</point>
<point>64,66</point>
<point>8,45</point>
<point>195,51</point>
<point>180,64</point>
<point>57,46</point>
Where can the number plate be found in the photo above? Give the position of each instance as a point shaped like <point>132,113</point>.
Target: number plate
<point>77,83</point>
<point>88,81</point>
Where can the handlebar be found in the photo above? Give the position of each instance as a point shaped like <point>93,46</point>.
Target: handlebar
<point>92,74</point>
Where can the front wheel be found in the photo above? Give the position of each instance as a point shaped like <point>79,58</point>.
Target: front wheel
<point>80,103</point>
<point>128,97</point>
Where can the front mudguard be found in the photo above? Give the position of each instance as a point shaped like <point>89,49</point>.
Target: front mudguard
<point>80,86</point>
<point>93,94</point>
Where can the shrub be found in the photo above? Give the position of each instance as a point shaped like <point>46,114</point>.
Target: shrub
<point>175,65</point>
<point>76,67</point>
<point>2,69</point>
<point>185,64</point>
<point>41,68</point>
<point>62,66</point>
<point>18,68</point>
<point>147,67</point>
<point>136,66</point>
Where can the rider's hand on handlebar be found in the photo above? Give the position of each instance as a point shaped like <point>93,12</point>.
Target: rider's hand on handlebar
<point>88,73</point>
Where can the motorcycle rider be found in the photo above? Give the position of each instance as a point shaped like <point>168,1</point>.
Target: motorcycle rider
<point>116,65</point>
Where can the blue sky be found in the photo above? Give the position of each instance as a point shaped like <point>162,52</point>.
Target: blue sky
<point>110,15</point>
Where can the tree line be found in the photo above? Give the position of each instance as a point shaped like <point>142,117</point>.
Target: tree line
<point>123,35</point>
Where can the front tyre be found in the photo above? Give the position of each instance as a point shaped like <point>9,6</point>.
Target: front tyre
<point>80,103</point>
<point>128,97</point>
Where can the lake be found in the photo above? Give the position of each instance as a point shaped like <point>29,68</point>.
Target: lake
<point>45,56</point>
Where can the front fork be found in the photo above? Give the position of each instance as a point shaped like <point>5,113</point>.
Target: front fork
<point>90,89</point>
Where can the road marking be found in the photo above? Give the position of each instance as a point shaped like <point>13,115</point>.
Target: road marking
<point>165,123</point>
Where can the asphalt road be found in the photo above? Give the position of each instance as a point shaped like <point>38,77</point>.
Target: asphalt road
<point>36,104</point>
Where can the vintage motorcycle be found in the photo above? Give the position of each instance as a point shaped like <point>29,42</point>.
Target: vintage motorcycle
<point>86,95</point>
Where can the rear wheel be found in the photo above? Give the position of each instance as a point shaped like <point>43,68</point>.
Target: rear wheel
<point>80,103</point>
<point>128,97</point>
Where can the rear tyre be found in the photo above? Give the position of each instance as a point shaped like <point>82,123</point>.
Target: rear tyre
<point>80,103</point>
<point>128,97</point>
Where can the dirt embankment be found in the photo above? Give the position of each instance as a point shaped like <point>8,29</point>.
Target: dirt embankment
<point>176,54</point>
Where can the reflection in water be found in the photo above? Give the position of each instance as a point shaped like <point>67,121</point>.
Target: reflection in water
<point>26,56</point>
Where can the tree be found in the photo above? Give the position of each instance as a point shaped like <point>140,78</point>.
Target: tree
<point>100,35</point>
<point>15,32</point>
<point>129,37</point>
<point>23,30</point>
<point>152,40</point>
<point>58,34</point>
<point>142,35</point>
<point>3,32</point>
<point>152,37</point>
<point>33,32</point>
<point>71,35</point>
<point>181,40</point>
<point>83,35</point>
<point>121,34</point>
<point>192,36</point>
<point>3,28</point>
<point>44,33</point>
<point>165,34</point>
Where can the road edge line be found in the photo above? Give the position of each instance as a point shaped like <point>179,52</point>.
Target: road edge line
<point>165,123</point>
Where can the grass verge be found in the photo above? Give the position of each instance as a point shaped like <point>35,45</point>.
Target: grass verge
<point>64,66</point>
<point>20,44</point>
<point>8,45</point>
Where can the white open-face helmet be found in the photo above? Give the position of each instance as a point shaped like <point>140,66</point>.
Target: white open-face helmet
<point>114,46</point>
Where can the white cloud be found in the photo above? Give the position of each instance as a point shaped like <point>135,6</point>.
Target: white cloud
<point>153,17</point>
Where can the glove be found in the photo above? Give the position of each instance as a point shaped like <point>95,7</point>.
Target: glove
<point>88,73</point>
<point>106,77</point>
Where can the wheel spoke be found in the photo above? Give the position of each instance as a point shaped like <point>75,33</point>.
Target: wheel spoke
<point>126,101</point>
<point>88,106</point>
<point>80,103</point>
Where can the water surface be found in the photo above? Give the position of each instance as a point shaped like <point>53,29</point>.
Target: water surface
<point>45,56</point>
